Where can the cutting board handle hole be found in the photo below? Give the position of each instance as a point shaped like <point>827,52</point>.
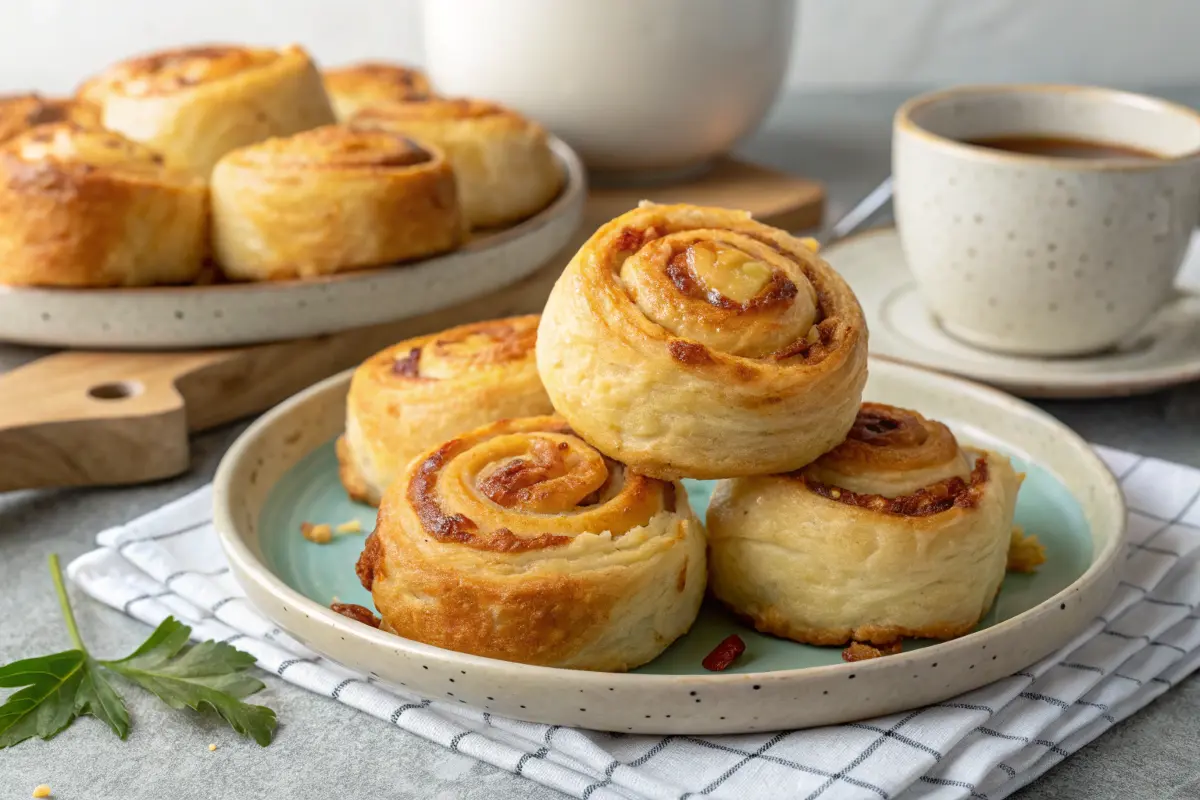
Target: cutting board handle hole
<point>118,390</point>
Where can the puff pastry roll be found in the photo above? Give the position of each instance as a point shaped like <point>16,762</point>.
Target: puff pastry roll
<point>520,541</point>
<point>425,391</point>
<point>87,207</point>
<point>695,342</point>
<point>196,104</point>
<point>329,200</point>
<point>898,532</point>
<point>354,87</point>
<point>505,168</point>
<point>19,113</point>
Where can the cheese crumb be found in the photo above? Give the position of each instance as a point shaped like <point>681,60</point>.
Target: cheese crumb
<point>42,791</point>
<point>317,534</point>
<point>1025,553</point>
<point>212,747</point>
<point>353,526</point>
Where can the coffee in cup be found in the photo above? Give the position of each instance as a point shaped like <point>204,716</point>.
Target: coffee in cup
<point>1042,219</point>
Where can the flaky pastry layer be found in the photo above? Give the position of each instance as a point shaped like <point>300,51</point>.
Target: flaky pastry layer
<point>822,564</point>
<point>505,168</point>
<point>329,200</point>
<point>196,104</point>
<point>427,390</point>
<point>82,206</point>
<point>519,541</point>
<point>695,342</point>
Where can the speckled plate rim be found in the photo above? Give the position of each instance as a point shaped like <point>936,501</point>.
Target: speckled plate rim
<point>1028,377</point>
<point>687,704</point>
<point>220,315</point>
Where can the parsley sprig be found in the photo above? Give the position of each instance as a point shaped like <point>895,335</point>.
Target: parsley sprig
<point>53,690</point>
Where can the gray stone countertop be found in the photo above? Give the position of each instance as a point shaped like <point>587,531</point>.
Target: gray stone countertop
<point>325,750</point>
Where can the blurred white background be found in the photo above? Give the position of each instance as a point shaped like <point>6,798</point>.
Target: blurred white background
<point>50,44</point>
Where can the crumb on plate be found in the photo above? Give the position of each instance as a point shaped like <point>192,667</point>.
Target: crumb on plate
<point>1025,553</point>
<point>317,534</point>
<point>42,790</point>
<point>862,651</point>
<point>351,526</point>
<point>212,747</point>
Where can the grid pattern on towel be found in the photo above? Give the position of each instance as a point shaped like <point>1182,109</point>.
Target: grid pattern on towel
<point>984,744</point>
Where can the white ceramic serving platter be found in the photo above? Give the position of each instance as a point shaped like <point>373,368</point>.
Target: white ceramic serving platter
<point>747,698</point>
<point>177,317</point>
<point>1165,353</point>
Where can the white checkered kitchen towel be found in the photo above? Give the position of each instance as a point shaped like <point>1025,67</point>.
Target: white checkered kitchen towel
<point>985,744</point>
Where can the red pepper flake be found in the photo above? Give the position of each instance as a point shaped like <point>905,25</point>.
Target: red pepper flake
<point>724,654</point>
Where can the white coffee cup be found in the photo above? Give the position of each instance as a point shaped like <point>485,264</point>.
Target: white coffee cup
<point>633,86</point>
<point>1035,254</point>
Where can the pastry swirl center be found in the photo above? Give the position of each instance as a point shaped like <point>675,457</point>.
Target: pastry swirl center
<point>731,274</point>
<point>504,487</point>
<point>891,452</point>
<point>447,356</point>
<point>546,475</point>
<point>721,290</point>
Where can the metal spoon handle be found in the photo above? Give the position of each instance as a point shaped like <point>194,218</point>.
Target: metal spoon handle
<point>860,215</point>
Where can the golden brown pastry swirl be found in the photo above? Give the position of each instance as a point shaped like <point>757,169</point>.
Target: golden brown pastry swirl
<point>19,113</point>
<point>897,532</point>
<point>88,207</point>
<point>357,86</point>
<point>424,391</point>
<point>332,199</point>
<point>520,541</point>
<point>891,452</point>
<point>195,104</point>
<point>695,342</point>
<point>503,162</point>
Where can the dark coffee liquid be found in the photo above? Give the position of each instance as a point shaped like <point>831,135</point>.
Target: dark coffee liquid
<point>1055,147</point>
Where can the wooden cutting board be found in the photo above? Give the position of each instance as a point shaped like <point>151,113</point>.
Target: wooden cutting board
<point>80,418</point>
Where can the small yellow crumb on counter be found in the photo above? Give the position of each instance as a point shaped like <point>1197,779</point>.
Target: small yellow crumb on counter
<point>212,747</point>
<point>353,526</point>
<point>41,791</point>
<point>317,534</point>
<point>1025,553</point>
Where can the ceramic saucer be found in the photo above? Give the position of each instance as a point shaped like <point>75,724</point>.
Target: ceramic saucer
<point>1166,352</point>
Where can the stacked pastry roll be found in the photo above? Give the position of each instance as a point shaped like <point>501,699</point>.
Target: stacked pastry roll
<point>897,532</point>
<point>311,173</point>
<point>332,199</point>
<point>424,391</point>
<point>695,342</point>
<point>196,104</point>
<point>502,160</point>
<point>520,541</point>
<point>82,206</point>
<point>679,342</point>
<point>500,531</point>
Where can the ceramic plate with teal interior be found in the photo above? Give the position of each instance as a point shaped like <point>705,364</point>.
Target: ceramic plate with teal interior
<point>283,472</point>
<point>311,491</point>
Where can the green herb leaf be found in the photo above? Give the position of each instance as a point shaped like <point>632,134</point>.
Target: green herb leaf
<point>209,674</point>
<point>57,689</point>
<point>53,690</point>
